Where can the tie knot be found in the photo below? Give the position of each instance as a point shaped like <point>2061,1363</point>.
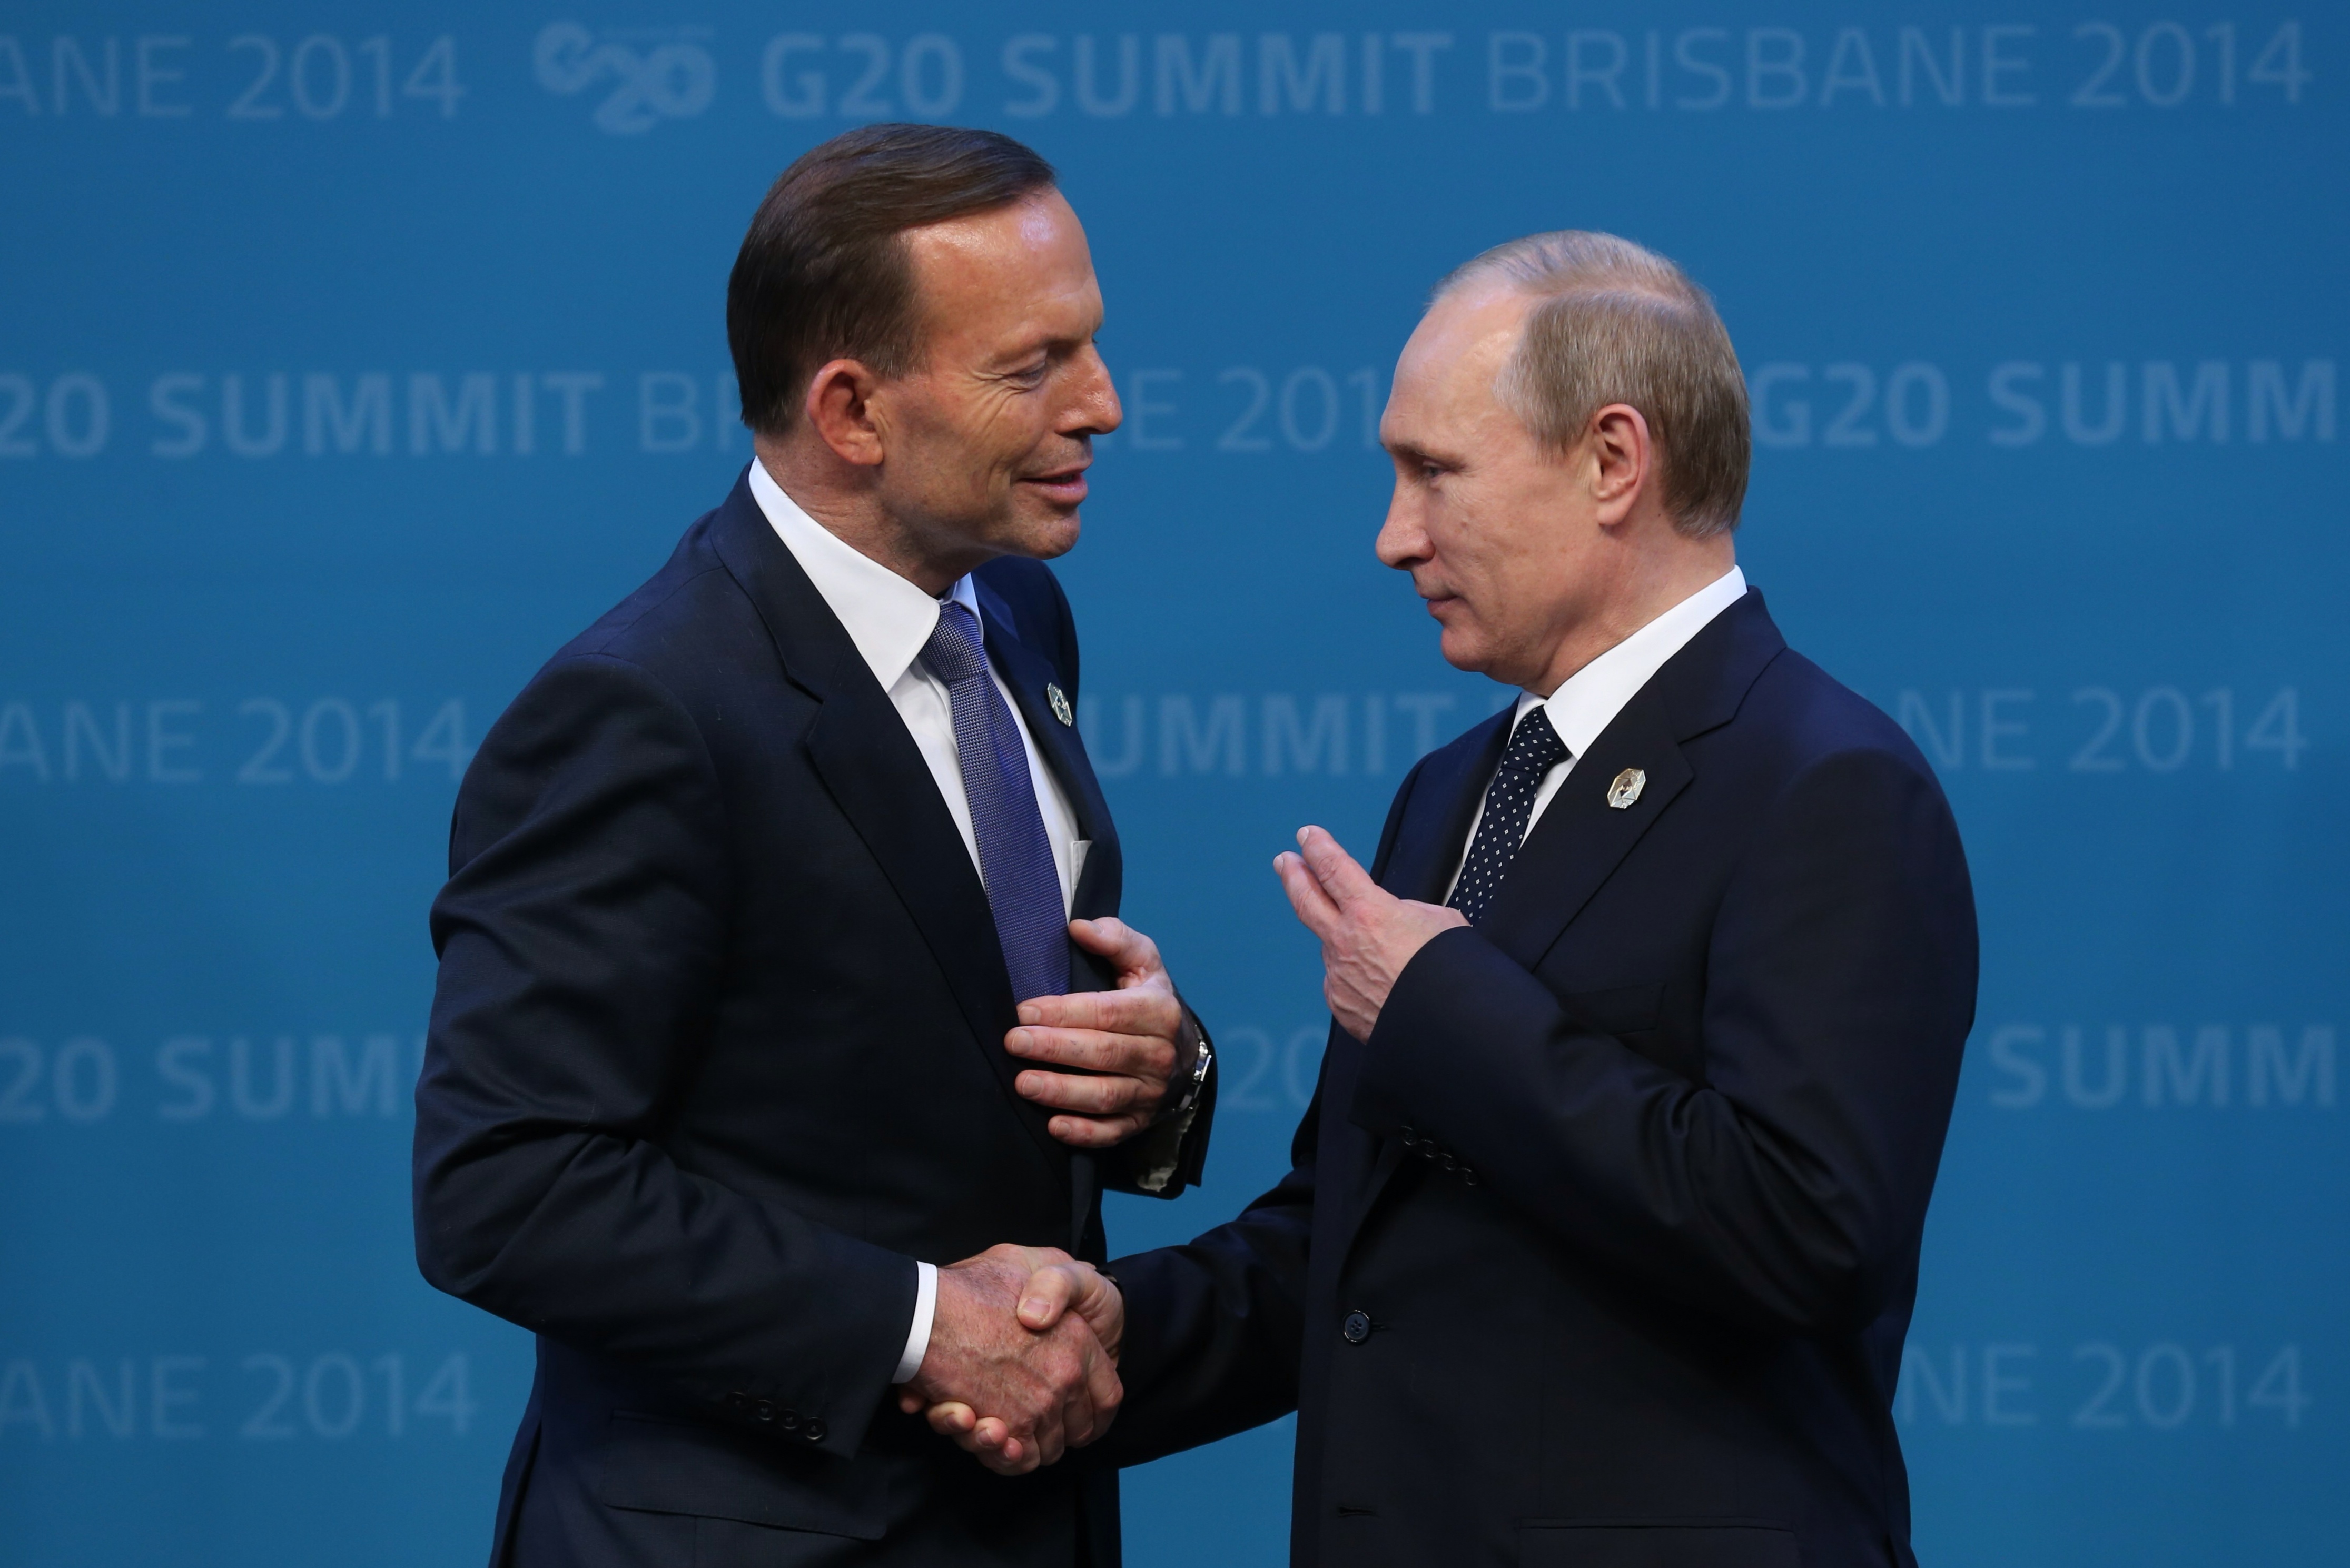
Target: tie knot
<point>1534,746</point>
<point>955,651</point>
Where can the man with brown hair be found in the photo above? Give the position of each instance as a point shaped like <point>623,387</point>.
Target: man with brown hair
<point>779,902</point>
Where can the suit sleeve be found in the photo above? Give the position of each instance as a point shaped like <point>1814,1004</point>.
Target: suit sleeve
<point>1785,1190</point>
<point>1216,1327</point>
<point>582,937</point>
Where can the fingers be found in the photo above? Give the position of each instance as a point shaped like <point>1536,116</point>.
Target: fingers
<point>1098,1097</point>
<point>1096,1132</point>
<point>1140,1055</point>
<point>1144,1009</point>
<point>1058,1288</point>
<point>1344,880</point>
<point>1307,896</point>
<point>953,1418</point>
<point>986,1438</point>
<point>1105,1393</point>
<point>1049,1435</point>
<point>1096,1298</point>
<point>1046,1296</point>
<point>1127,948</point>
<point>1055,1377</point>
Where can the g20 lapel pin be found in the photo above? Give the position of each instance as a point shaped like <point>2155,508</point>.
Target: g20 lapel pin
<point>1624,788</point>
<point>1060,702</point>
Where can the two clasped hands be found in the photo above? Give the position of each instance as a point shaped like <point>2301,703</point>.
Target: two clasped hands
<point>1023,1358</point>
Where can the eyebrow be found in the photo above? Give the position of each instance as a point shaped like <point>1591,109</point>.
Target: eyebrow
<point>1412,452</point>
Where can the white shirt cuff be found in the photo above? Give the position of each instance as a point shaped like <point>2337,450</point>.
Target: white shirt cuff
<point>926,1307</point>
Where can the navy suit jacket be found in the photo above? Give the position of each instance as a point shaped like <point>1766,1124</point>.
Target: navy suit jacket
<point>717,1052</point>
<point>1600,1251</point>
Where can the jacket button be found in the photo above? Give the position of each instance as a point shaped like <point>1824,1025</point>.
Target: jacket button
<point>738,1400</point>
<point>791,1420</point>
<point>812,1429</point>
<point>765,1409</point>
<point>1356,1328</point>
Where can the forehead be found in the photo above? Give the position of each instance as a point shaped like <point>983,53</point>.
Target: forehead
<point>1017,258</point>
<point>1463,340</point>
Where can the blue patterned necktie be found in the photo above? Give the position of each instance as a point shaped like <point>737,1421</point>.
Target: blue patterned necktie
<point>1015,859</point>
<point>1534,749</point>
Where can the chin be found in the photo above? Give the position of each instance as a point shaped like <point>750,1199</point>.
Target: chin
<point>1040,538</point>
<point>1054,534</point>
<point>1463,652</point>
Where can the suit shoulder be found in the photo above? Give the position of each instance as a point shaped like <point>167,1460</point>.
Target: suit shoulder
<point>669,648</point>
<point>677,626</point>
<point>1814,716</point>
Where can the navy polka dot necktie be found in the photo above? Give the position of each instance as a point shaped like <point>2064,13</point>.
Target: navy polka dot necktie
<point>1015,858</point>
<point>1534,749</point>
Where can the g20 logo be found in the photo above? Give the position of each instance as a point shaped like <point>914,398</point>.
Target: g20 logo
<point>656,75</point>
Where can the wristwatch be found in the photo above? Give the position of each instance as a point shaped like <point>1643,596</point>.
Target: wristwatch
<point>1204,1057</point>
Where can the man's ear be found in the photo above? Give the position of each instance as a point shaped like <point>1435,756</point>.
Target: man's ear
<point>1621,457</point>
<point>839,409</point>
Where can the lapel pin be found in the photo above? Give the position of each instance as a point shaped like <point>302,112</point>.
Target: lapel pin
<point>1060,702</point>
<point>1622,792</point>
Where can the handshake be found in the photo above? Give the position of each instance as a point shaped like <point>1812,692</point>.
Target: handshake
<point>1023,1359</point>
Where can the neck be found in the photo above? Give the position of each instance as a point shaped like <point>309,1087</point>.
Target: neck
<point>845,500</point>
<point>1655,583</point>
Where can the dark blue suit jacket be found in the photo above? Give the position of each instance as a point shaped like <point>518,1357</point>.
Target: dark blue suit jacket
<point>1601,1250</point>
<point>716,1053</point>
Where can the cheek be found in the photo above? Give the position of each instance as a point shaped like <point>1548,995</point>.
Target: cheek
<point>1464,552</point>
<point>1008,440</point>
<point>967,445</point>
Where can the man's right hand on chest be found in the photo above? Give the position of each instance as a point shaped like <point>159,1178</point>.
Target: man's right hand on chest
<point>1015,1371</point>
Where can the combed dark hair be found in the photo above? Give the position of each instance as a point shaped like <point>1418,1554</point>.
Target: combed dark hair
<point>1620,324</point>
<point>824,273</point>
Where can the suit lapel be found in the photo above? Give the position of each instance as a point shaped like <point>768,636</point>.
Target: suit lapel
<point>858,746</point>
<point>1427,850</point>
<point>1451,782</point>
<point>1581,839</point>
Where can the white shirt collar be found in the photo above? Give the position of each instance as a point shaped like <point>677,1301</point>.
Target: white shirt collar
<point>1588,701</point>
<point>888,617</point>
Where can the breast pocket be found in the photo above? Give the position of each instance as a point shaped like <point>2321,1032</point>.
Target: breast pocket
<point>1659,1544</point>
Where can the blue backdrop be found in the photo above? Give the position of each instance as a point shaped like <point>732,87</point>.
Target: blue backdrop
<point>352,357</point>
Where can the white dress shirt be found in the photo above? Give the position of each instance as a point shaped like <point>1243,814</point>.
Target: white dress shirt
<point>1588,701</point>
<point>890,619</point>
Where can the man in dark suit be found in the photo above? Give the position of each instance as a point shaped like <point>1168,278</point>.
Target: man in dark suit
<point>758,1003</point>
<point>1603,1234</point>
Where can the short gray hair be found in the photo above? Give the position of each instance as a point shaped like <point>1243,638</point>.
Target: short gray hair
<point>1618,323</point>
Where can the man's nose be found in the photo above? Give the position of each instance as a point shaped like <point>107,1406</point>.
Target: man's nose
<point>1095,408</point>
<point>1402,542</point>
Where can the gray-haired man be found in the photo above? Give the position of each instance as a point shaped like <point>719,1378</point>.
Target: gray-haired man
<point>1603,1232</point>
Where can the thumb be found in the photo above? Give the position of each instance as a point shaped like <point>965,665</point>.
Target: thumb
<point>1046,1296</point>
<point>1099,1301</point>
